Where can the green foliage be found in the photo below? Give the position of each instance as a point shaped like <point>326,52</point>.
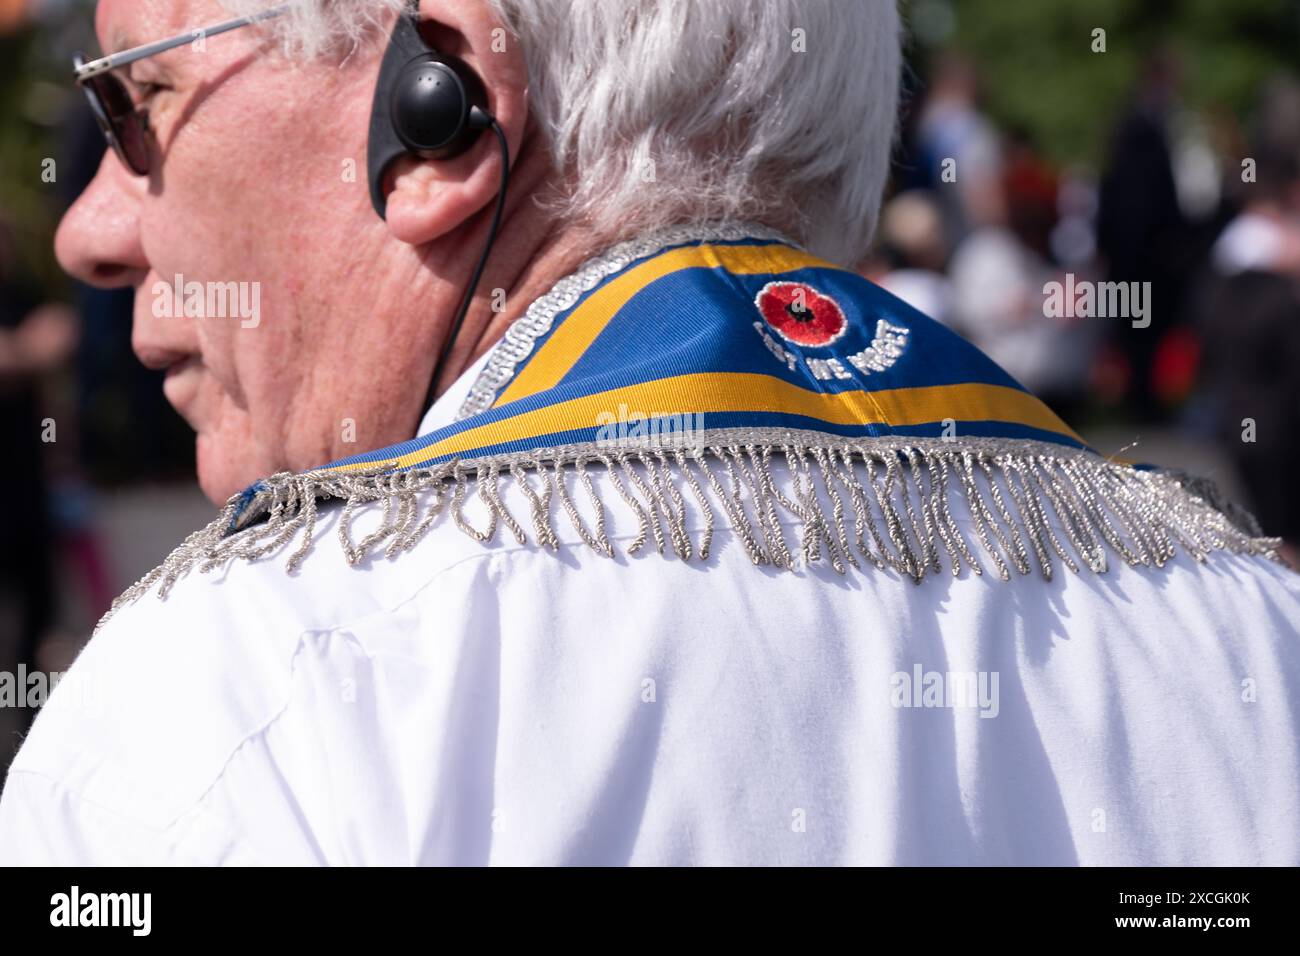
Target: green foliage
<point>29,206</point>
<point>1039,71</point>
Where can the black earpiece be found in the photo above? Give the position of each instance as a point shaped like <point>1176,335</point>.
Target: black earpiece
<point>431,105</point>
<point>426,103</point>
<point>435,104</point>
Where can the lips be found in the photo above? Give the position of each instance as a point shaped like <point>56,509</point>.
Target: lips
<point>181,386</point>
<point>801,314</point>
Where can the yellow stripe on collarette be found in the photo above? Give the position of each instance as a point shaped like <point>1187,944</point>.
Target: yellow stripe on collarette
<point>717,393</point>
<point>576,333</point>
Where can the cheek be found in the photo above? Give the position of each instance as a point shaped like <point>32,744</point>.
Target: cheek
<point>248,433</point>
<point>258,368</point>
<point>230,459</point>
<point>241,198</point>
<point>223,463</point>
<point>226,206</point>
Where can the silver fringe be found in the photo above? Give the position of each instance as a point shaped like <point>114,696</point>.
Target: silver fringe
<point>897,519</point>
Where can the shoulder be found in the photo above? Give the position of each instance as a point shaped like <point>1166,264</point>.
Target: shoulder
<point>239,688</point>
<point>169,688</point>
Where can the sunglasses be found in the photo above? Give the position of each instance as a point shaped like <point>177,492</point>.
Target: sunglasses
<point>124,125</point>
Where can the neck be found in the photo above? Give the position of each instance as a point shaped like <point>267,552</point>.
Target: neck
<point>531,254</point>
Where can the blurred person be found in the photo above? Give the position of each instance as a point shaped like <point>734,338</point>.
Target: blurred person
<point>998,297</point>
<point>1252,352</point>
<point>1073,240</point>
<point>1274,129</point>
<point>960,147</point>
<point>912,253</point>
<point>1142,231</point>
<point>1030,186</point>
<point>1250,323</point>
<point>1265,235</point>
<point>697,524</point>
<point>998,276</point>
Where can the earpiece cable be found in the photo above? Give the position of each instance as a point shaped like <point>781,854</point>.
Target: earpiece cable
<point>468,296</point>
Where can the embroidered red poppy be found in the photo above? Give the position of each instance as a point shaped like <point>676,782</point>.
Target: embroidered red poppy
<point>801,314</point>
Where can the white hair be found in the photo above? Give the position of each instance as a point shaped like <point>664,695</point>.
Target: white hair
<point>316,27</point>
<point>679,111</point>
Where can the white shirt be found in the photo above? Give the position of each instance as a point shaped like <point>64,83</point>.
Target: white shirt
<point>503,704</point>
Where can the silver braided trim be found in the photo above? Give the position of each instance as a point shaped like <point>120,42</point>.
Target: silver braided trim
<point>883,502</point>
<point>517,344</point>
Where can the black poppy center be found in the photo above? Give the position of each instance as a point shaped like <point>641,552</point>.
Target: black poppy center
<point>799,311</point>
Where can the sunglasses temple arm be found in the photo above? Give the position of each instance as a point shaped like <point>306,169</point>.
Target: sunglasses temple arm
<point>114,60</point>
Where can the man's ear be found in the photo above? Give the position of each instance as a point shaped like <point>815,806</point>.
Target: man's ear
<point>430,198</point>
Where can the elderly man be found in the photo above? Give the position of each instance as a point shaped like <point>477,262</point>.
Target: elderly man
<point>708,549</point>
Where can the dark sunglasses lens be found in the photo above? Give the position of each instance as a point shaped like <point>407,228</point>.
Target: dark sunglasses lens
<point>124,122</point>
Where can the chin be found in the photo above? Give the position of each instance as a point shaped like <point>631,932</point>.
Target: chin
<point>221,475</point>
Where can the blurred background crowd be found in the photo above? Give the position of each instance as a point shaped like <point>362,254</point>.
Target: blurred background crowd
<point>1165,150</point>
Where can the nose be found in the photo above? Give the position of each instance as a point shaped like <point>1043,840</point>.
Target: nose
<point>98,240</point>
